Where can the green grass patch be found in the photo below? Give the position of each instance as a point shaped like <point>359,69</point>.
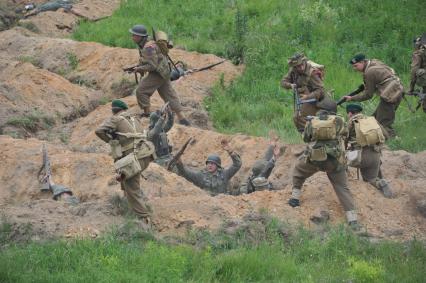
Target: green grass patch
<point>33,121</point>
<point>334,255</point>
<point>262,35</point>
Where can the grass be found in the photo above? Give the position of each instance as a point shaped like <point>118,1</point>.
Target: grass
<point>32,121</point>
<point>129,255</point>
<point>263,35</point>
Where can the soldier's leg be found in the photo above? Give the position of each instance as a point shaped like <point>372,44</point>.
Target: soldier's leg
<point>147,86</point>
<point>134,196</point>
<point>168,94</point>
<point>301,172</point>
<point>371,173</point>
<point>385,115</point>
<point>339,182</point>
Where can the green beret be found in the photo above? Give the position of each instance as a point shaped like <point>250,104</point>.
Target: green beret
<point>119,104</point>
<point>354,108</point>
<point>357,58</point>
<point>296,59</point>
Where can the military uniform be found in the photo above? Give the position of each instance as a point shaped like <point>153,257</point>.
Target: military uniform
<point>418,71</point>
<point>328,156</point>
<point>380,78</point>
<point>157,66</point>
<point>370,158</point>
<point>262,169</point>
<point>215,183</point>
<point>157,134</point>
<point>121,123</point>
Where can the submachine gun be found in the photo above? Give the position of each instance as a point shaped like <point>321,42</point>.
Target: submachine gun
<point>353,93</point>
<point>297,102</point>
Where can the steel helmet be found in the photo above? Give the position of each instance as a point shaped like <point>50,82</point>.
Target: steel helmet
<point>139,30</point>
<point>215,159</point>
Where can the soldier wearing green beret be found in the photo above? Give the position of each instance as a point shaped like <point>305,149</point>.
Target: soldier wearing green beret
<point>307,78</point>
<point>156,64</point>
<point>364,144</point>
<point>418,66</point>
<point>124,133</point>
<point>381,79</point>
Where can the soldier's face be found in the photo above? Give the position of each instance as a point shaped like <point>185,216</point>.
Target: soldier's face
<point>211,167</point>
<point>300,68</point>
<point>136,38</point>
<point>358,66</point>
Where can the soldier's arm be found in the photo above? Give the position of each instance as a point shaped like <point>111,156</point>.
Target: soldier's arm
<point>287,80</point>
<point>317,86</point>
<point>149,59</point>
<point>156,130</point>
<point>416,61</point>
<point>105,131</point>
<point>370,80</point>
<point>193,176</point>
<point>236,165</point>
<point>169,122</point>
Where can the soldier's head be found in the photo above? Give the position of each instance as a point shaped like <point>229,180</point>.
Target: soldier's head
<point>213,162</point>
<point>353,109</point>
<point>358,62</point>
<point>118,105</point>
<point>420,41</point>
<point>298,62</point>
<point>139,34</point>
<point>153,118</point>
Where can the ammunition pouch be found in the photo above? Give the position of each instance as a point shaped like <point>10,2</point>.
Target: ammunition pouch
<point>354,158</point>
<point>128,166</point>
<point>116,150</point>
<point>317,153</point>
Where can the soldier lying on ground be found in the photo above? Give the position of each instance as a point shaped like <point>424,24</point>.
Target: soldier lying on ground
<point>381,79</point>
<point>365,142</point>
<point>213,178</point>
<point>132,153</point>
<point>262,169</point>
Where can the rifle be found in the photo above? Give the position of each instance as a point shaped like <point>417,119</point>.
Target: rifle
<point>204,68</point>
<point>297,101</point>
<point>132,69</point>
<point>178,154</point>
<point>353,93</point>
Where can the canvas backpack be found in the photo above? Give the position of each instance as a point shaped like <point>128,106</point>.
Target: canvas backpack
<point>368,131</point>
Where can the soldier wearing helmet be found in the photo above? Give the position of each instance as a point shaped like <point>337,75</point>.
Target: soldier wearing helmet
<point>306,77</point>
<point>155,63</point>
<point>213,178</point>
<point>418,66</point>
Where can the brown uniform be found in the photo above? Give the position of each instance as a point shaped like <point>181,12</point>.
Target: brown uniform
<point>418,71</point>
<point>370,159</point>
<point>131,186</point>
<point>333,166</point>
<point>381,79</point>
<point>157,66</point>
<point>308,83</point>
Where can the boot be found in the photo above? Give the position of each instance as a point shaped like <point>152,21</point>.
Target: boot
<point>384,187</point>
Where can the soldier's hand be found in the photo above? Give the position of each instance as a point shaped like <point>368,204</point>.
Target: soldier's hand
<point>225,145</point>
<point>348,98</point>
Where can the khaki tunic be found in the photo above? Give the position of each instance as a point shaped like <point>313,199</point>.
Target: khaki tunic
<point>381,79</point>
<point>308,83</point>
<point>131,186</point>
<point>215,183</point>
<point>157,66</point>
<point>370,156</point>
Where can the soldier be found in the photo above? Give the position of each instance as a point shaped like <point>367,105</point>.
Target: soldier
<point>325,151</point>
<point>418,66</point>
<point>382,79</point>
<point>306,77</point>
<point>213,178</point>
<point>262,169</point>
<point>160,122</point>
<point>365,141</point>
<point>155,63</point>
<point>123,133</point>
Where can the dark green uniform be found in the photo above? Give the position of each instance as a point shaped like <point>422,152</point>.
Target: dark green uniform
<point>215,183</point>
<point>328,156</point>
<point>157,134</point>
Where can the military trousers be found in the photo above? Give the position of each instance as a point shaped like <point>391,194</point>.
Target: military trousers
<point>335,173</point>
<point>370,165</point>
<point>154,82</point>
<point>134,194</point>
<point>385,115</point>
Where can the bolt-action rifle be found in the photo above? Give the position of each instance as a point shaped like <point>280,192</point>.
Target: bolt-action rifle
<point>178,154</point>
<point>353,93</point>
